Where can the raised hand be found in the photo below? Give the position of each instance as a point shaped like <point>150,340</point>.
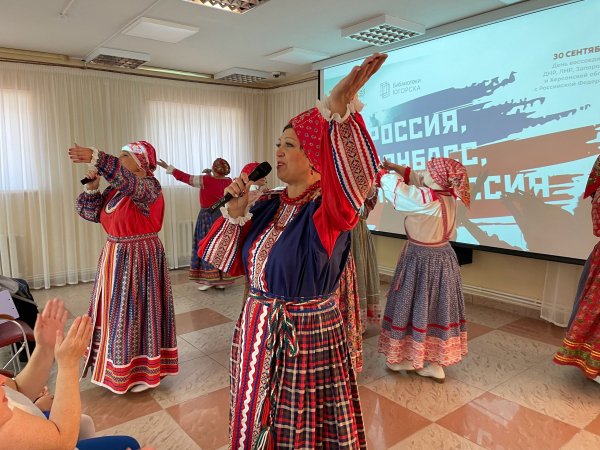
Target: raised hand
<point>52,319</point>
<point>391,166</point>
<point>163,164</point>
<point>80,155</point>
<point>348,87</point>
<point>69,350</point>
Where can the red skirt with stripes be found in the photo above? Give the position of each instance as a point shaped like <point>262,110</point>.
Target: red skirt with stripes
<point>132,310</point>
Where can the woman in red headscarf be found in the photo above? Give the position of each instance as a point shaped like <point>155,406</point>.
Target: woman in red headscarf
<point>211,185</point>
<point>134,342</point>
<point>581,345</point>
<point>424,318</point>
<point>292,380</point>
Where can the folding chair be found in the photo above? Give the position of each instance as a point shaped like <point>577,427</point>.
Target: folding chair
<point>15,333</point>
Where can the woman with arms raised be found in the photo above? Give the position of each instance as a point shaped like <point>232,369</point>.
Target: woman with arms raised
<point>293,384</point>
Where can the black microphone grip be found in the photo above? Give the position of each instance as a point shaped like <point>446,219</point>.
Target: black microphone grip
<point>261,171</point>
<point>86,180</point>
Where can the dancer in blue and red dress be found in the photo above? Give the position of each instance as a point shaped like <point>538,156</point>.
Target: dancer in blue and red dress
<point>211,184</point>
<point>292,380</point>
<point>134,343</point>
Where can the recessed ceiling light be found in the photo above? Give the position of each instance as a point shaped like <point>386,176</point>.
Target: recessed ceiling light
<point>159,30</point>
<point>383,30</point>
<point>241,75</point>
<point>234,6</point>
<point>295,55</point>
<point>117,58</point>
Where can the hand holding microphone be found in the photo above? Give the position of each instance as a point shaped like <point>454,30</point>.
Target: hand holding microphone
<point>91,180</point>
<point>237,192</point>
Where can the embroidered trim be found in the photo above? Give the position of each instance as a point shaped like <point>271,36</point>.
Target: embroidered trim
<point>95,156</point>
<point>242,220</point>
<point>323,106</point>
<point>90,191</point>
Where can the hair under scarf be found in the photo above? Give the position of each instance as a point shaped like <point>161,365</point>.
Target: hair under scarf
<point>144,154</point>
<point>221,167</point>
<point>451,175</point>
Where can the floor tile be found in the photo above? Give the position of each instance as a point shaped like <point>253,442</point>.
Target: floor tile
<point>198,320</point>
<point>108,409</point>
<point>197,377</point>
<point>373,365</point>
<point>186,350</point>
<point>157,430</point>
<point>556,391</point>
<point>211,339</point>
<point>222,357</point>
<point>594,426</point>
<point>382,417</point>
<point>539,330</point>
<point>496,423</point>
<point>513,348</point>
<point>474,330</point>
<point>435,437</point>
<point>489,317</point>
<point>484,371</point>
<point>583,440</point>
<point>205,419</point>
<point>424,396</point>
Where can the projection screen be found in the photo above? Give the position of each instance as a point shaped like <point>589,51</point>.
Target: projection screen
<point>518,103</point>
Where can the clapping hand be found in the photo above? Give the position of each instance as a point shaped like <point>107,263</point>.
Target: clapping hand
<point>69,350</point>
<point>53,319</point>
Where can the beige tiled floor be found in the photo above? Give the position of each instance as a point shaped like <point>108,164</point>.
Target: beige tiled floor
<point>506,394</point>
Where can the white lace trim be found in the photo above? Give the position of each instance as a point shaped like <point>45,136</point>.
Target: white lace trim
<point>323,106</point>
<point>95,155</point>
<point>241,221</point>
<point>90,191</point>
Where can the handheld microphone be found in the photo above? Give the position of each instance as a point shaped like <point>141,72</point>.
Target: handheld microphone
<point>261,171</point>
<point>86,180</point>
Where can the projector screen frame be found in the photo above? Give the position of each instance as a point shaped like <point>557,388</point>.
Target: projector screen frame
<point>480,20</point>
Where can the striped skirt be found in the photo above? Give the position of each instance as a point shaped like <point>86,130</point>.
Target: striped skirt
<point>132,311</point>
<point>581,345</point>
<point>201,271</point>
<point>292,382</point>
<point>367,273</point>
<point>348,301</point>
<point>424,317</point>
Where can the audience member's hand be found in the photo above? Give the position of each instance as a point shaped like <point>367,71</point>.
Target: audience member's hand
<point>163,164</point>
<point>69,350</point>
<point>49,322</point>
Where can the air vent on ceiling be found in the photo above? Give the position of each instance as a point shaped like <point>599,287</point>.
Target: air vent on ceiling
<point>117,58</point>
<point>240,75</point>
<point>383,30</point>
<point>234,6</point>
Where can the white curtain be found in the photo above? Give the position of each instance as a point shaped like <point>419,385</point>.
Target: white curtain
<point>44,110</point>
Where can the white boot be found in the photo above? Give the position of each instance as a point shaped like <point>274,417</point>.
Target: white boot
<point>597,379</point>
<point>434,371</point>
<point>406,366</point>
<point>204,287</point>
<point>139,388</point>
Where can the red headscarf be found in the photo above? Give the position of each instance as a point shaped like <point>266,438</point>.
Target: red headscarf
<point>593,182</point>
<point>221,167</point>
<point>144,154</point>
<point>249,168</point>
<point>451,175</point>
<point>310,127</point>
